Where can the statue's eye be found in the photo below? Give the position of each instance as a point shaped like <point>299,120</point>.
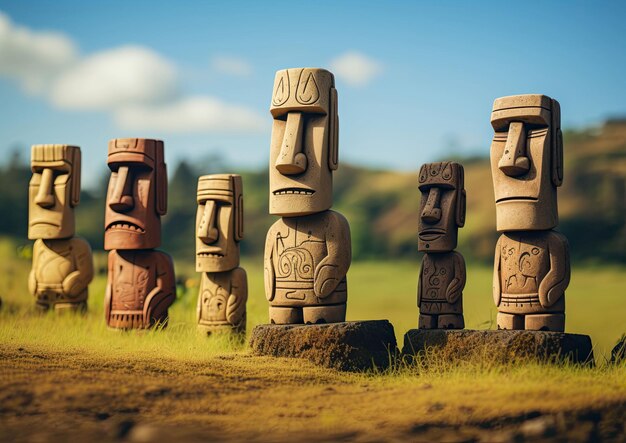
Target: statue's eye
<point>308,92</point>
<point>281,93</point>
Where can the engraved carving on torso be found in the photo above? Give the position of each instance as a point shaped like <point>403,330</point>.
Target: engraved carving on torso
<point>132,282</point>
<point>523,265</point>
<point>437,275</point>
<point>53,266</point>
<point>214,297</point>
<point>297,253</point>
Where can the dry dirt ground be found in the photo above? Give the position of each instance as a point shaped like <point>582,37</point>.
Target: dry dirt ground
<point>77,396</point>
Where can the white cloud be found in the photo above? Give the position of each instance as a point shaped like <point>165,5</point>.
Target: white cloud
<point>140,88</point>
<point>127,75</point>
<point>356,69</point>
<point>191,114</point>
<point>33,58</point>
<point>231,65</point>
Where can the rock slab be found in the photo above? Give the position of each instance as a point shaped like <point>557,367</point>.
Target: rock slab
<point>502,346</point>
<point>347,346</point>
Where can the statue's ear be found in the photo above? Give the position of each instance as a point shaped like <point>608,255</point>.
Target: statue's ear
<point>238,206</point>
<point>75,179</point>
<point>160,178</point>
<point>333,136</point>
<point>557,145</point>
<point>461,202</point>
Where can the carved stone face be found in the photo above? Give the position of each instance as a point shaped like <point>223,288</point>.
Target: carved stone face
<point>219,222</point>
<point>54,191</point>
<point>442,208</point>
<point>526,161</point>
<point>303,150</point>
<point>137,194</point>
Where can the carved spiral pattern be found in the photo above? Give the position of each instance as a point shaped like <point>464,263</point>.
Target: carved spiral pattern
<point>296,263</point>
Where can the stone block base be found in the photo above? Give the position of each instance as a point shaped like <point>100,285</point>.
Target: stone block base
<point>499,346</point>
<point>346,346</point>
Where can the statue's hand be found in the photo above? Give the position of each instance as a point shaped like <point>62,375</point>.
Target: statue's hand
<point>326,278</point>
<point>72,285</point>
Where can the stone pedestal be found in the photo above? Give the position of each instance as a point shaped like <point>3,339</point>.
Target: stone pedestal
<point>499,346</point>
<point>346,346</point>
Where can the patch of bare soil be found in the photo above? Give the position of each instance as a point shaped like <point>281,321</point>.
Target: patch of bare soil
<point>81,397</point>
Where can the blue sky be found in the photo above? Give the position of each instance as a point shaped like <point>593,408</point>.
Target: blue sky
<point>416,80</point>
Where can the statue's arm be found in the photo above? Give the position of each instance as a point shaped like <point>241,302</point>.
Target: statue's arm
<point>497,290</point>
<point>32,276</point>
<point>164,293</point>
<point>108,294</point>
<point>78,280</point>
<point>268,265</point>
<point>455,288</point>
<point>420,281</point>
<point>236,305</point>
<point>553,285</point>
<point>334,267</point>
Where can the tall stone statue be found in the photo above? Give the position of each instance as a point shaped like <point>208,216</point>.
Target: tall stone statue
<point>62,263</point>
<point>307,251</point>
<point>442,276</point>
<point>531,266</point>
<point>219,229</point>
<point>141,284</point>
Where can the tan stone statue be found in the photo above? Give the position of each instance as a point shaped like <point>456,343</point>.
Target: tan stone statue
<point>219,229</point>
<point>307,251</point>
<point>141,284</point>
<point>531,267</point>
<point>62,263</point>
<point>442,276</point>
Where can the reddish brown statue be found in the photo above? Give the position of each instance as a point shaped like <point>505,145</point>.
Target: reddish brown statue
<point>62,264</point>
<point>442,276</point>
<point>219,229</point>
<point>140,285</point>
<point>307,251</point>
<point>531,268</point>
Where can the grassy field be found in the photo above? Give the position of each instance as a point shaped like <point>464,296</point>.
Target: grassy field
<point>71,376</point>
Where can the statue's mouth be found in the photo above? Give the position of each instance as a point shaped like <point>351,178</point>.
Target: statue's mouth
<point>44,222</point>
<point>508,199</point>
<point>431,234</point>
<point>125,226</point>
<point>209,254</point>
<point>298,191</point>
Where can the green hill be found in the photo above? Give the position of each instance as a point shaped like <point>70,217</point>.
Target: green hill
<point>382,206</point>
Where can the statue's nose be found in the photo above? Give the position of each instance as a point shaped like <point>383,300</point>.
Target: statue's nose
<point>45,196</point>
<point>514,161</point>
<point>207,231</point>
<point>431,213</point>
<point>121,198</point>
<point>291,160</point>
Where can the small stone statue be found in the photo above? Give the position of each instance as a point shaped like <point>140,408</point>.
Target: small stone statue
<point>307,251</point>
<point>62,263</point>
<point>531,267</point>
<point>140,285</point>
<point>219,229</point>
<point>442,276</point>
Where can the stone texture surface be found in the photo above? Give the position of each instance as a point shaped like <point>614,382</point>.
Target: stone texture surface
<point>500,346</point>
<point>308,251</point>
<point>531,263</point>
<point>347,346</point>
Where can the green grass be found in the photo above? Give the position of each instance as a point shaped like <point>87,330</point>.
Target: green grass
<point>377,290</point>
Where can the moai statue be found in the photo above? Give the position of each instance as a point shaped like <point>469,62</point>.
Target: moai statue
<point>531,266</point>
<point>307,251</point>
<point>62,263</point>
<point>442,276</point>
<point>219,229</point>
<point>140,285</point>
